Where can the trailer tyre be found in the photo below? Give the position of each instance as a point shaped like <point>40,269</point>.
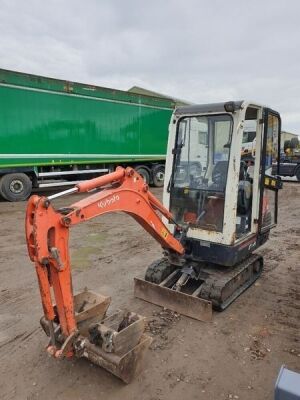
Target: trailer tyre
<point>158,175</point>
<point>15,187</point>
<point>297,173</point>
<point>144,173</point>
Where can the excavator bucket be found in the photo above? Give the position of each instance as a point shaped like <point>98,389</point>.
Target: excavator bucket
<point>183,303</point>
<point>125,366</point>
<point>117,343</point>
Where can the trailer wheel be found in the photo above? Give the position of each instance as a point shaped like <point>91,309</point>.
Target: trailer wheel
<point>15,187</point>
<point>144,173</point>
<point>158,175</point>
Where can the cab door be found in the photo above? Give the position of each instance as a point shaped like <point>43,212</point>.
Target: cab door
<point>270,181</point>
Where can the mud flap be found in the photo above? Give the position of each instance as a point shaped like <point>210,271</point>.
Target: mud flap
<point>185,304</point>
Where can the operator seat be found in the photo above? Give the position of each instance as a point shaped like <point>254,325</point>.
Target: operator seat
<point>244,197</point>
<point>245,191</point>
<point>219,176</point>
<point>244,202</point>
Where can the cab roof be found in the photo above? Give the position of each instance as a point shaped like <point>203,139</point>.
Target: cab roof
<point>208,108</point>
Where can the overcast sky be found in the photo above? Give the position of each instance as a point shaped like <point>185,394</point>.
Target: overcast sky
<point>202,51</point>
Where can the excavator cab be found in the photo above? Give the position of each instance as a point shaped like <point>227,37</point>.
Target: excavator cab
<point>226,205</point>
<point>222,200</point>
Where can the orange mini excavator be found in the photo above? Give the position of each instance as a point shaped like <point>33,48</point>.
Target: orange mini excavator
<point>217,211</point>
<point>77,325</point>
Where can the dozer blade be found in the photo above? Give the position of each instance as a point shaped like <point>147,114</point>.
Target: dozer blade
<point>183,303</point>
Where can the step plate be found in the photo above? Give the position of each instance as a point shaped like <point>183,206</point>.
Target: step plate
<point>182,303</point>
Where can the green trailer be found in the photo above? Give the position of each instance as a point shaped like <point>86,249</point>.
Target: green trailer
<point>55,132</point>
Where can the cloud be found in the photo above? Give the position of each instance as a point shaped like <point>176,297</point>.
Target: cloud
<point>198,50</point>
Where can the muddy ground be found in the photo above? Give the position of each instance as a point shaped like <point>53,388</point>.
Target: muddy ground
<point>237,356</point>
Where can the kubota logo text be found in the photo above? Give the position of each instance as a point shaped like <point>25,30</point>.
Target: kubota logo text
<point>108,202</point>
